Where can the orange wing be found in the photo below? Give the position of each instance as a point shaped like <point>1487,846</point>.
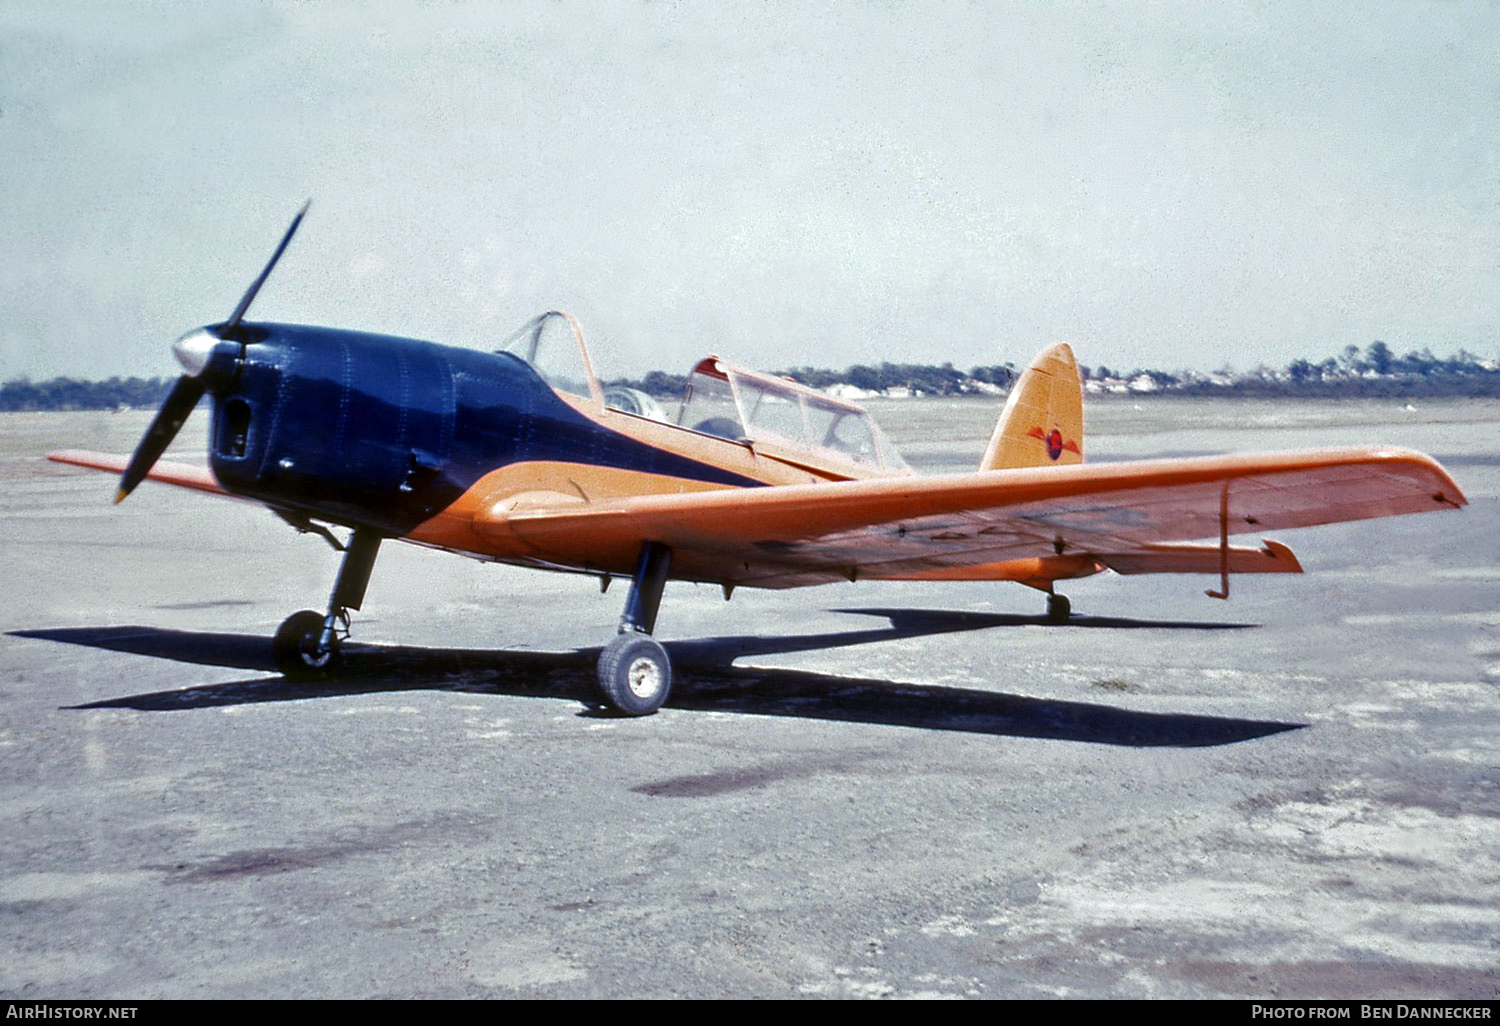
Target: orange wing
<point>1033,525</point>
<point>1071,519</point>
<point>181,474</point>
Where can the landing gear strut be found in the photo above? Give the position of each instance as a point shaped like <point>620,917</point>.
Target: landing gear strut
<point>307,643</point>
<point>635,675</point>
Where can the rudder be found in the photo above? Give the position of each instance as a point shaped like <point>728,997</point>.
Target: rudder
<point>1042,423</point>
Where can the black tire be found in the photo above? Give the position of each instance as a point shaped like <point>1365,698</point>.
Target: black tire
<point>1059,608</point>
<point>635,675</point>
<point>295,649</point>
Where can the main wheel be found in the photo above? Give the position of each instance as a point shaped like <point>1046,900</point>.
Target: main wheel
<point>1059,608</point>
<point>635,675</point>
<point>295,649</point>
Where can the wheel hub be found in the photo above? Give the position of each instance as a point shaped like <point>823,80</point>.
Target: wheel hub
<point>643,678</point>
<point>312,655</point>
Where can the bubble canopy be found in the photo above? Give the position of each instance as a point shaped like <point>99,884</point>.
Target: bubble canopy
<point>733,402</point>
<point>721,399</point>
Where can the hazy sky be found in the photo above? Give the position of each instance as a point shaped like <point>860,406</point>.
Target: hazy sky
<point>1173,184</point>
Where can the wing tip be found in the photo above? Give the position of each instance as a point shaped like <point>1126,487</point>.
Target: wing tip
<point>1448,493</point>
<point>87,458</point>
<point>1282,555</point>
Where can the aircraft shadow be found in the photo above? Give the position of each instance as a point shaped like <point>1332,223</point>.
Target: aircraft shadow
<point>936,621</point>
<point>904,623</point>
<point>706,680</point>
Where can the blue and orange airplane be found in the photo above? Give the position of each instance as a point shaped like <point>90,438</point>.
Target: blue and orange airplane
<point>520,456</point>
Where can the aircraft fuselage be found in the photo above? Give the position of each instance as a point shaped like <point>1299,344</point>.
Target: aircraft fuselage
<point>383,432</point>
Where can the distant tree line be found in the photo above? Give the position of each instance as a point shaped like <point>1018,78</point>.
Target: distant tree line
<point>915,377</point>
<point>76,394</point>
<point>1374,371</point>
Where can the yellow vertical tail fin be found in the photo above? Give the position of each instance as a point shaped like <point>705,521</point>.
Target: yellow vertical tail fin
<point>1042,423</point>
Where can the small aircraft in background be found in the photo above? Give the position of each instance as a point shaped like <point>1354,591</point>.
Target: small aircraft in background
<point>520,456</point>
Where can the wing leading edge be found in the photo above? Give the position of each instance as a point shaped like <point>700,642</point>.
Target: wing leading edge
<point>199,479</point>
<point>1072,520</point>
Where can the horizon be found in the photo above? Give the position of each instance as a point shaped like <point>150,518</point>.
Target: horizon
<point>1354,373</point>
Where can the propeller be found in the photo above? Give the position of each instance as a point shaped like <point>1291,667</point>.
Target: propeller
<point>239,311</point>
<point>196,352</point>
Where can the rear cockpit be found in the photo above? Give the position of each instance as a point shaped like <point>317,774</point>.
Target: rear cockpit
<point>776,415</point>
<point>744,405</point>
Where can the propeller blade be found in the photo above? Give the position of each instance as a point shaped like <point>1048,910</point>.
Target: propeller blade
<point>239,311</point>
<point>179,403</point>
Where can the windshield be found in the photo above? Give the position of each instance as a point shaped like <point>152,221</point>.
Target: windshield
<point>553,345</point>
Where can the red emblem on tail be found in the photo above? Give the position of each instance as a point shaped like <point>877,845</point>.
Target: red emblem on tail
<point>1054,441</point>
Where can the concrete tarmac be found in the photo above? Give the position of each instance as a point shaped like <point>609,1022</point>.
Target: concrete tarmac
<point>865,790</point>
